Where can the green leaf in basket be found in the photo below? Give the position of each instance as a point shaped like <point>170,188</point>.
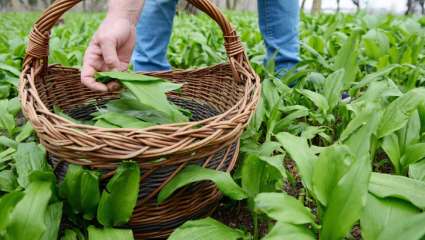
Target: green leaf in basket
<point>120,196</point>
<point>194,173</point>
<point>105,77</point>
<point>29,158</point>
<point>149,91</point>
<point>207,229</point>
<point>152,94</point>
<point>81,190</point>
<point>121,120</point>
<point>57,110</point>
<point>109,234</point>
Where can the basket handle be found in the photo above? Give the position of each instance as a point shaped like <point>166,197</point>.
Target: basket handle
<point>38,45</point>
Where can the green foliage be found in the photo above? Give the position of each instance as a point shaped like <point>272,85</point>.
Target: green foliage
<point>207,229</point>
<point>109,234</point>
<point>120,196</point>
<point>81,190</point>
<point>194,173</point>
<point>376,62</point>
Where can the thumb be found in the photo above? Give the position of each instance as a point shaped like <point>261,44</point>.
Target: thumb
<point>110,55</point>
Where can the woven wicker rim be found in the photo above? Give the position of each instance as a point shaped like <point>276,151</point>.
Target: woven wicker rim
<point>158,140</point>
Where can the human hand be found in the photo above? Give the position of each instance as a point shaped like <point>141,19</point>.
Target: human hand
<point>110,50</point>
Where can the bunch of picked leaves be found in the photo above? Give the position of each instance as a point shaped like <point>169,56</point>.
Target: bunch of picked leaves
<point>143,102</point>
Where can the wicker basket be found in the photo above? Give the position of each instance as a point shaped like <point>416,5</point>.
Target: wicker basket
<point>222,99</point>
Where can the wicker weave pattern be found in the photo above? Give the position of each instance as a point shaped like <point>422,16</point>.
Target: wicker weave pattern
<point>230,91</point>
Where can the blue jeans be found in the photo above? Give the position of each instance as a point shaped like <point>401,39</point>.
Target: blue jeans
<point>278,19</point>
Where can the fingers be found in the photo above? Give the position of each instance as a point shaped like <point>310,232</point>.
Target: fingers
<point>88,79</point>
<point>110,55</point>
<point>92,64</point>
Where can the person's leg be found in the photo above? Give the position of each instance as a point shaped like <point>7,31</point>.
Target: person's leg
<point>279,24</point>
<point>153,35</point>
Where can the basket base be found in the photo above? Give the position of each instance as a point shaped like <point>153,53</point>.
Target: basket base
<point>153,221</point>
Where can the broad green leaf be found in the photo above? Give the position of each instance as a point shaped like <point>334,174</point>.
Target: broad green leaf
<point>7,155</point>
<point>347,59</point>
<point>7,121</point>
<point>72,234</point>
<point>10,69</point>
<point>397,114</point>
<point>152,94</point>
<point>7,204</point>
<point>317,99</point>
<point>380,214</point>
<point>122,121</point>
<point>14,106</point>
<point>316,79</point>
<point>392,148</point>
<point>7,142</point>
<point>194,173</point>
<point>25,132</point>
<point>254,178</point>
<point>359,142</point>
<point>268,148</point>
<point>89,193</point>
<point>125,76</point>
<point>355,124</point>
<point>286,121</point>
<point>333,86</point>
<point>104,124</point>
<point>80,189</point>
<point>283,208</point>
<point>413,153</point>
<point>28,217</point>
<point>385,185</point>
<point>58,111</point>
<point>118,200</point>
<point>69,189</point>
<point>259,115</point>
<point>332,165</point>
<point>285,231</point>
<point>376,43</point>
<point>8,181</point>
<point>346,201</point>
<point>29,158</point>
<point>207,229</point>
<point>53,218</point>
<point>410,134</point>
<point>375,76</point>
<point>320,59</point>
<point>301,153</point>
<point>417,171</point>
<point>109,234</point>
<point>411,228</point>
<point>276,162</point>
<point>270,94</point>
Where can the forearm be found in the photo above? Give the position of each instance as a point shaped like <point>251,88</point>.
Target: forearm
<point>129,9</point>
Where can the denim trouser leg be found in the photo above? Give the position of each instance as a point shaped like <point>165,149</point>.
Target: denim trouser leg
<point>153,35</point>
<point>279,20</point>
